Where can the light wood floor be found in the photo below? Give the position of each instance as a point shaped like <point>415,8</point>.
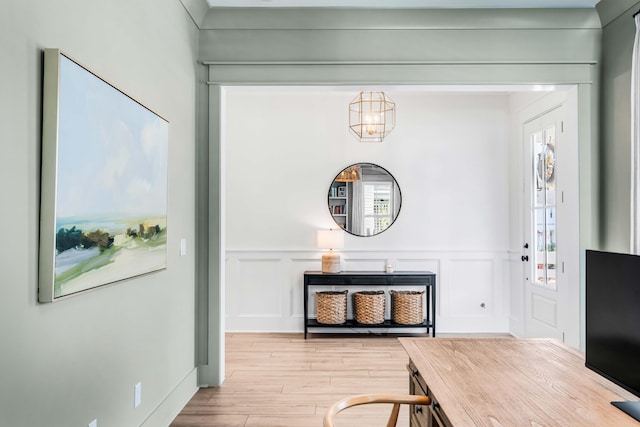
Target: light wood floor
<point>284,380</point>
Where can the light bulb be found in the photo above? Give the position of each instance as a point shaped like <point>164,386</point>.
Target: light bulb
<point>371,129</point>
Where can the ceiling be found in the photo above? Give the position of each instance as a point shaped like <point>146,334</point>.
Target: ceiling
<point>408,4</point>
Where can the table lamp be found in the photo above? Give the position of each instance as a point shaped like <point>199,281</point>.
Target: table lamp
<point>330,239</point>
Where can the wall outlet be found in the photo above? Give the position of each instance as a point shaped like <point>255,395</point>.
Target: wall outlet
<point>183,247</point>
<point>93,423</point>
<point>137,395</point>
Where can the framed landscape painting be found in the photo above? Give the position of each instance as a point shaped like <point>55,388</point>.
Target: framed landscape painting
<point>103,211</point>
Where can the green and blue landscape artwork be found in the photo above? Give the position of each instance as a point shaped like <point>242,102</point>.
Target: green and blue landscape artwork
<point>111,185</point>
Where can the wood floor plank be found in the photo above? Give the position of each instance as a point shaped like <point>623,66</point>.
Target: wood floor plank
<point>241,408</point>
<point>275,399</point>
<point>247,387</point>
<point>296,374</point>
<point>275,379</point>
<point>187,420</point>
<point>381,373</point>
<point>245,354</point>
<point>371,382</point>
<point>283,421</point>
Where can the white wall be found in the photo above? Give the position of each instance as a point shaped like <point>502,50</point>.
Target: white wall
<point>67,363</point>
<point>449,154</point>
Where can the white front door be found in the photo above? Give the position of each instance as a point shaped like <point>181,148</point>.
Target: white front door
<point>549,249</point>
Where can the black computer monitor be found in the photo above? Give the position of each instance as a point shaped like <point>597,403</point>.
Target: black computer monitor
<point>613,321</point>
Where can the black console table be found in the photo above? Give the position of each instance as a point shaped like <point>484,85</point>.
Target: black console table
<point>425,279</point>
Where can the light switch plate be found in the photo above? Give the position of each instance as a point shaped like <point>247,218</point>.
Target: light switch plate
<point>183,247</point>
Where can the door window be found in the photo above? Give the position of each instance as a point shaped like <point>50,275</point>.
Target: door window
<point>543,206</point>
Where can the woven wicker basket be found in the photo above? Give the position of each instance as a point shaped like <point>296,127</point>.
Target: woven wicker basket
<point>369,307</point>
<point>406,307</point>
<point>331,307</point>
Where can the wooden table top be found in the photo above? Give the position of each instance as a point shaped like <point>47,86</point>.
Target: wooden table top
<point>505,382</point>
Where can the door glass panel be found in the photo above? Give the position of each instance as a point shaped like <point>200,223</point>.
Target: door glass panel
<point>543,206</point>
<point>539,261</point>
<point>538,146</point>
<point>551,245</point>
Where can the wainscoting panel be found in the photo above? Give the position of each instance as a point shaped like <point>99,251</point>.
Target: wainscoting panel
<point>516,296</point>
<point>350,263</point>
<point>544,310</point>
<point>410,264</point>
<point>471,290</point>
<point>474,292</point>
<point>264,289</point>
<point>262,283</point>
<point>296,291</point>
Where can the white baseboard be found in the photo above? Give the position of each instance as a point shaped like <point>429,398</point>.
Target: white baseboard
<point>171,406</point>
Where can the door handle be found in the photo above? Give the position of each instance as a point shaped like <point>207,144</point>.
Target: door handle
<point>524,258</point>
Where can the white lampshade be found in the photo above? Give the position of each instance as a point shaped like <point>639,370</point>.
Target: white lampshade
<point>330,239</point>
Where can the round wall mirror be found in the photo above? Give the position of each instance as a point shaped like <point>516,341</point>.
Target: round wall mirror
<point>364,199</point>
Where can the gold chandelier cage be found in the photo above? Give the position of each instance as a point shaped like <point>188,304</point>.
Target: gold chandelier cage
<point>372,115</point>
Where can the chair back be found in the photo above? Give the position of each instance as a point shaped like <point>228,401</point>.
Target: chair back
<point>395,399</point>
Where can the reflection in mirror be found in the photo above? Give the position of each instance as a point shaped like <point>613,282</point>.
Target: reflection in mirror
<point>364,199</point>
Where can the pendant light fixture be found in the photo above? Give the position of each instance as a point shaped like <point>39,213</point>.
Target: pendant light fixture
<point>372,115</point>
<point>350,174</point>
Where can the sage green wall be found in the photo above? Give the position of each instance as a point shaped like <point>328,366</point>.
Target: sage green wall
<point>69,362</point>
<point>615,112</point>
